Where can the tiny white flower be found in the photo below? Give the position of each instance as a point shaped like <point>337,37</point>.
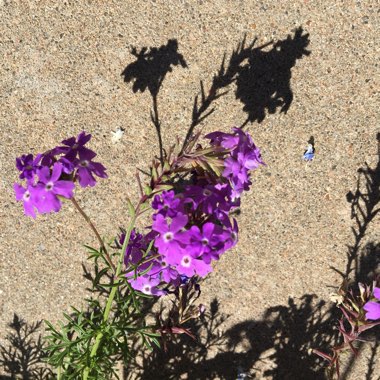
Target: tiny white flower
<point>117,135</point>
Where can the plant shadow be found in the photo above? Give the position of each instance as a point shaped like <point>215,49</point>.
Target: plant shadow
<point>24,357</point>
<point>262,78</point>
<point>149,71</point>
<point>263,83</point>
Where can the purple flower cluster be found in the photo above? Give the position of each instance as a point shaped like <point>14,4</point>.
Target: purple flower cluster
<point>244,156</point>
<point>372,308</point>
<point>192,226</point>
<point>52,174</point>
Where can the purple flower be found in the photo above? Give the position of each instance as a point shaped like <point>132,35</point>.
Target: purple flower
<point>167,273</point>
<point>167,203</point>
<point>28,196</point>
<point>74,146</point>
<point>49,187</point>
<point>205,239</point>
<point>28,166</point>
<point>191,224</point>
<point>171,235</point>
<point>86,168</point>
<point>373,308</point>
<point>67,166</point>
<point>225,140</point>
<point>147,285</point>
<point>230,233</point>
<point>189,266</point>
<point>207,197</point>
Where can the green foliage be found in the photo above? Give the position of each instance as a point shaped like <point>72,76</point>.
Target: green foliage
<point>88,343</point>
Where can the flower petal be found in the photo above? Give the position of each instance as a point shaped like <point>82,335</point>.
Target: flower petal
<point>64,188</point>
<point>373,310</point>
<point>178,222</point>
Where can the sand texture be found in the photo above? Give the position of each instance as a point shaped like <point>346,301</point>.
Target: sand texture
<point>312,71</point>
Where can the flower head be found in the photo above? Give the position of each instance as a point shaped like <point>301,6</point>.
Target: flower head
<point>28,196</point>
<point>73,146</point>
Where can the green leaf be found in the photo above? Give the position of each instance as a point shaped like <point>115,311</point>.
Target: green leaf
<point>147,190</point>
<point>132,211</point>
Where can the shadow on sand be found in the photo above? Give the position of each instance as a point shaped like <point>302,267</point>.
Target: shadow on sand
<point>23,357</point>
<point>278,345</point>
<point>261,78</point>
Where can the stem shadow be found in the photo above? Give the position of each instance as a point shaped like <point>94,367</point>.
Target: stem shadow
<point>149,71</point>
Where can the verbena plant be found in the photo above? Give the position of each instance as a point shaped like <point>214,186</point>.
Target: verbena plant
<point>191,196</point>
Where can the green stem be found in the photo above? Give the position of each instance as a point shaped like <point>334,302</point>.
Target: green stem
<point>111,297</point>
<point>88,220</point>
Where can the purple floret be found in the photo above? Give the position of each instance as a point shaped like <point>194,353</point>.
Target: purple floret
<point>372,310</point>
<point>204,239</point>
<point>147,285</point>
<point>190,266</point>
<point>74,146</point>
<point>226,140</point>
<point>171,235</point>
<point>28,166</point>
<point>87,168</point>
<point>28,196</point>
<point>49,187</point>
<point>167,204</point>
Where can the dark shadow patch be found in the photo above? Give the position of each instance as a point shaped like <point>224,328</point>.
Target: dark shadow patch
<point>149,71</point>
<point>24,357</point>
<point>262,79</point>
<point>263,83</point>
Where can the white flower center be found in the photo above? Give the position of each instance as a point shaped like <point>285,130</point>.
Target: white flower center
<point>207,192</point>
<point>26,196</point>
<point>186,261</point>
<point>84,163</point>
<point>168,236</point>
<point>49,186</point>
<point>204,241</point>
<point>147,289</point>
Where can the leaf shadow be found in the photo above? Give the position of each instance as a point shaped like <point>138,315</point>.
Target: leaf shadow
<point>24,357</point>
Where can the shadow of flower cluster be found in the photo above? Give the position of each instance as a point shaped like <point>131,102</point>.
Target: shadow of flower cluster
<point>149,71</point>
<point>261,77</point>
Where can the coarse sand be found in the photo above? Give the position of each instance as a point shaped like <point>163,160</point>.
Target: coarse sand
<point>313,71</point>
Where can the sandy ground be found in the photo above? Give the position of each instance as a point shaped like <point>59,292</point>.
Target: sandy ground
<point>61,72</point>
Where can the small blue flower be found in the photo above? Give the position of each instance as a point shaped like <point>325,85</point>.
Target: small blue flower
<point>309,153</point>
